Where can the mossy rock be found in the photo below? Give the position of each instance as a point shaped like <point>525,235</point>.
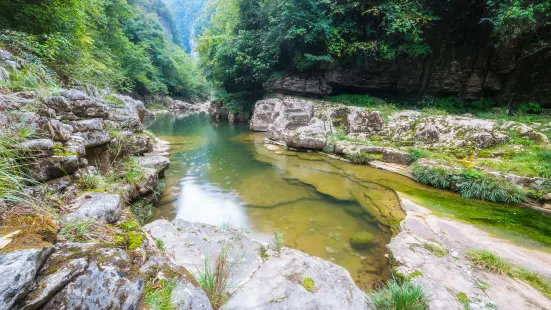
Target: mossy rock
<point>361,240</point>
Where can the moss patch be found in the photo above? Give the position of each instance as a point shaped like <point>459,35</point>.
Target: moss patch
<point>308,284</point>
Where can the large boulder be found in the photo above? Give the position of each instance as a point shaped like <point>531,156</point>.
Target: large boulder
<point>101,207</point>
<point>281,283</point>
<point>17,271</point>
<point>157,163</point>
<point>289,280</point>
<point>58,130</point>
<point>47,284</point>
<point>187,296</point>
<point>263,113</point>
<point>87,124</point>
<point>312,136</point>
<point>93,138</point>
<point>360,120</point>
<point>127,111</point>
<point>48,168</point>
<point>110,280</point>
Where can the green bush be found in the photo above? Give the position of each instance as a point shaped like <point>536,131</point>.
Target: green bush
<point>530,108</point>
<point>416,153</point>
<point>395,296</point>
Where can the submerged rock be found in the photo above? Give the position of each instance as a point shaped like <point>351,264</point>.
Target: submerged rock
<point>361,240</point>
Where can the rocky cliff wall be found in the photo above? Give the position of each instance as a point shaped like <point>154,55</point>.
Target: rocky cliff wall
<point>465,61</point>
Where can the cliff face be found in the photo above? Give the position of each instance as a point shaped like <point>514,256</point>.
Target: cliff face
<point>468,72</point>
<point>466,61</point>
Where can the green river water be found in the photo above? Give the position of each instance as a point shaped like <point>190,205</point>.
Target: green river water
<point>222,174</point>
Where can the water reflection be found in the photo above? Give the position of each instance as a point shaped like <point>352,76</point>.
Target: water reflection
<point>221,175</point>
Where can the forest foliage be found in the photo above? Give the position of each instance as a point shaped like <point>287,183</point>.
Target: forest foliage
<point>248,41</point>
<point>126,45</point>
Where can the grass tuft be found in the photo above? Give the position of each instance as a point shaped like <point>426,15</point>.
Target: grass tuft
<point>405,296</point>
<point>434,249</point>
<point>214,279</point>
<point>490,261</point>
<point>470,184</point>
<point>158,293</point>
<point>277,242</point>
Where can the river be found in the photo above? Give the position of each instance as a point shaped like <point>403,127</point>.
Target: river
<point>223,174</point>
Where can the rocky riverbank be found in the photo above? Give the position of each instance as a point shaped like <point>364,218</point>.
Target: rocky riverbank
<point>409,138</point>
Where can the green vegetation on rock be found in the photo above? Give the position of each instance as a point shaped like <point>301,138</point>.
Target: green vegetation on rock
<point>491,261</point>
<point>470,183</point>
<point>308,284</point>
<point>396,296</point>
<point>435,249</point>
<point>158,293</point>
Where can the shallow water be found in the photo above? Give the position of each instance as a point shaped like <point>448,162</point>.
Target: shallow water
<point>222,174</point>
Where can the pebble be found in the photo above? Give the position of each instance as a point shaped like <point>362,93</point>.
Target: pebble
<point>340,228</point>
<point>362,257</point>
<point>332,259</point>
<point>311,219</point>
<point>331,235</point>
<point>311,229</point>
<point>455,254</point>
<point>337,234</point>
<point>329,250</point>
<point>337,238</point>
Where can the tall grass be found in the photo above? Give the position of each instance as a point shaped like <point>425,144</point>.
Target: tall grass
<point>214,279</point>
<point>470,184</point>
<point>396,296</point>
<point>491,261</point>
<point>13,177</point>
<point>31,76</point>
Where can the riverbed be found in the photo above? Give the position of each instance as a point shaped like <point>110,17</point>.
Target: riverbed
<point>223,174</point>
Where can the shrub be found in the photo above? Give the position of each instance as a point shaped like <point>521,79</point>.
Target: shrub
<point>405,296</point>
<point>530,108</point>
<point>483,104</point>
<point>416,153</point>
